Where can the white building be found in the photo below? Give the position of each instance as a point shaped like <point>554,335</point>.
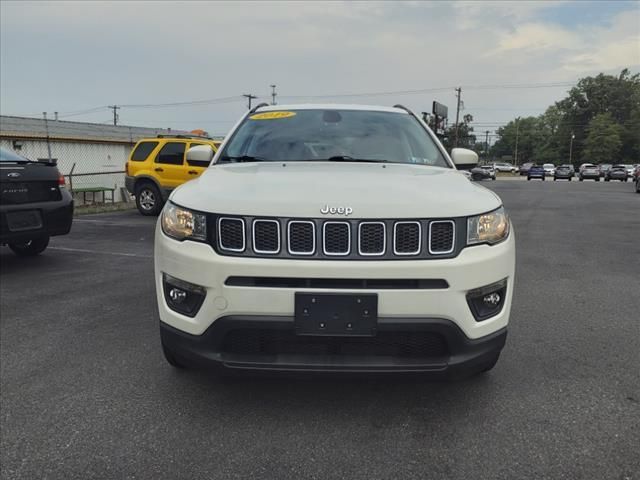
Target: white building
<point>79,148</point>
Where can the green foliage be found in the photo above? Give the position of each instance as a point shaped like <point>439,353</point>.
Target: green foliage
<point>603,112</point>
<point>603,141</point>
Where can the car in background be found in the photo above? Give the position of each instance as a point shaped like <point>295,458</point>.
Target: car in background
<point>636,178</point>
<point>565,172</point>
<point>524,168</point>
<point>489,170</point>
<point>549,169</point>
<point>158,165</point>
<point>536,171</point>
<point>589,171</point>
<point>604,168</point>
<point>504,167</point>
<point>630,170</point>
<point>34,204</point>
<point>617,172</point>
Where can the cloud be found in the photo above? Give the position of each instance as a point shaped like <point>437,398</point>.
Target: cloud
<point>76,55</point>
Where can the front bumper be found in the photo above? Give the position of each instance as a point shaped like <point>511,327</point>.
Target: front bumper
<point>56,216</point>
<point>269,344</point>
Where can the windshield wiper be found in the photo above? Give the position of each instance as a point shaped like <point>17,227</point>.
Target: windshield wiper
<point>347,158</point>
<point>242,158</point>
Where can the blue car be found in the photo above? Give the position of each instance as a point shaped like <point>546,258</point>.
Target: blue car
<point>536,171</point>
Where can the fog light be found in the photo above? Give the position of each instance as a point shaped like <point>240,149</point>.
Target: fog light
<point>492,299</point>
<point>182,297</point>
<point>177,296</point>
<point>487,302</point>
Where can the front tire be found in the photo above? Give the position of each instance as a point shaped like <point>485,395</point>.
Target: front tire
<point>31,248</point>
<point>148,199</point>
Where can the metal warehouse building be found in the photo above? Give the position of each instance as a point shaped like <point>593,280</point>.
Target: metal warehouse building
<point>81,148</point>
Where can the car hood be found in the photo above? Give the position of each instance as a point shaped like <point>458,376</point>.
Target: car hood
<point>302,189</point>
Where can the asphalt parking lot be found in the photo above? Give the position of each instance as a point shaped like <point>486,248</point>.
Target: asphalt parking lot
<point>85,392</point>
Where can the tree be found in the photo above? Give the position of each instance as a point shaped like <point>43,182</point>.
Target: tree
<point>603,141</point>
<point>547,138</point>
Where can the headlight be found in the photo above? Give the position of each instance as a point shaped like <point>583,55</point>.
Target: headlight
<point>492,227</point>
<point>183,224</point>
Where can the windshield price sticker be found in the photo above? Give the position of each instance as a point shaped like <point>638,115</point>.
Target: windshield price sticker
<point>272,115</point>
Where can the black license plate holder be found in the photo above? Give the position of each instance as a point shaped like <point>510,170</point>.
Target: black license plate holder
<point>331,314</point>
<point>24,220</point>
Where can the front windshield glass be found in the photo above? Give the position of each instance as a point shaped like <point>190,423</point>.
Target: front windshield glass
<point>337,135</point>
<point>9,156</point>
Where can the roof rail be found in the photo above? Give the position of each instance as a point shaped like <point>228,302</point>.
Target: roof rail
<point>260,105</point>
<point>184,136</point>
<point>397,105</point>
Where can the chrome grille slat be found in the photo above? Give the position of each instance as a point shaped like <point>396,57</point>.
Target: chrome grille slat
<point>301,237</point>
<point>372,238</point>
<point>407,238</point>
<point>336,238</point>
<point>266,236</point>
<point>442,234</point>
<point>231,234</point>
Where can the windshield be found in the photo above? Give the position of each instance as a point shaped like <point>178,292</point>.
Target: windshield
<point>9,156</point>
<point>338,135</point>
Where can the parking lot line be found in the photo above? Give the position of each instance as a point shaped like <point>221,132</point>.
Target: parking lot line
<point>82,250</point>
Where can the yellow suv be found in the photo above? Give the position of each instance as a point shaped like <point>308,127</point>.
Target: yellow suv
<point>158,165</point>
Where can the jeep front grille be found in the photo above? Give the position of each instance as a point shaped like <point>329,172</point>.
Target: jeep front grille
<point>338,239</point>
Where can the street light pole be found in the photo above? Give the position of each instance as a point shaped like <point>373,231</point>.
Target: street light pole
<point>517,133</point>
<point>571,148</point>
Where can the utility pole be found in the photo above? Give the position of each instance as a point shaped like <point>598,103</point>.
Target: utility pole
<point>46,129</point>
<point>486,144</point>
<point>249,97</point>
<point>517,133</point>
<point>455,143</point>
<point>273,94</point>
<point>115,108</point>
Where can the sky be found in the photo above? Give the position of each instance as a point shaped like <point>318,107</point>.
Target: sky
<point>510,58</point>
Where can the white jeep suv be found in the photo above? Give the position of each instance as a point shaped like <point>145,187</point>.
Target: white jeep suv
<point>334,238</point>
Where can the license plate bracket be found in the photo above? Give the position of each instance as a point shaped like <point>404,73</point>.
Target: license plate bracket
<point>24,220</point>
<point>330,314</point>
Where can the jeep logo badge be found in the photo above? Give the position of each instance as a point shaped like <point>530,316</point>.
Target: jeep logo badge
<point>327,210</point>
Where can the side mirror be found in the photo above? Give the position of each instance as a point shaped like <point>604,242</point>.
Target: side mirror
<point>200,153</point>
<point>464,159</point>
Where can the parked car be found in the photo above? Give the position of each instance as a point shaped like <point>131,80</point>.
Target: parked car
<point>524,168</point>
<point>563,172</point>
<point>636,178</point>
<point>604,168</point>
<point>34,204</point>
<point>617,172</point>
<point>504,167</point>
<point>549,169</point>
<point>157,165</point>
<point>536,171</point>
<point>589,171</point>
<point>488,170</point>
<point>630,170</point>
<point>255,270</point>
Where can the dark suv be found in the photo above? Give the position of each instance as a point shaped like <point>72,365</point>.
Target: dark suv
<point>617,172</point>
<point>34,204</point>
<point>536,171</point>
